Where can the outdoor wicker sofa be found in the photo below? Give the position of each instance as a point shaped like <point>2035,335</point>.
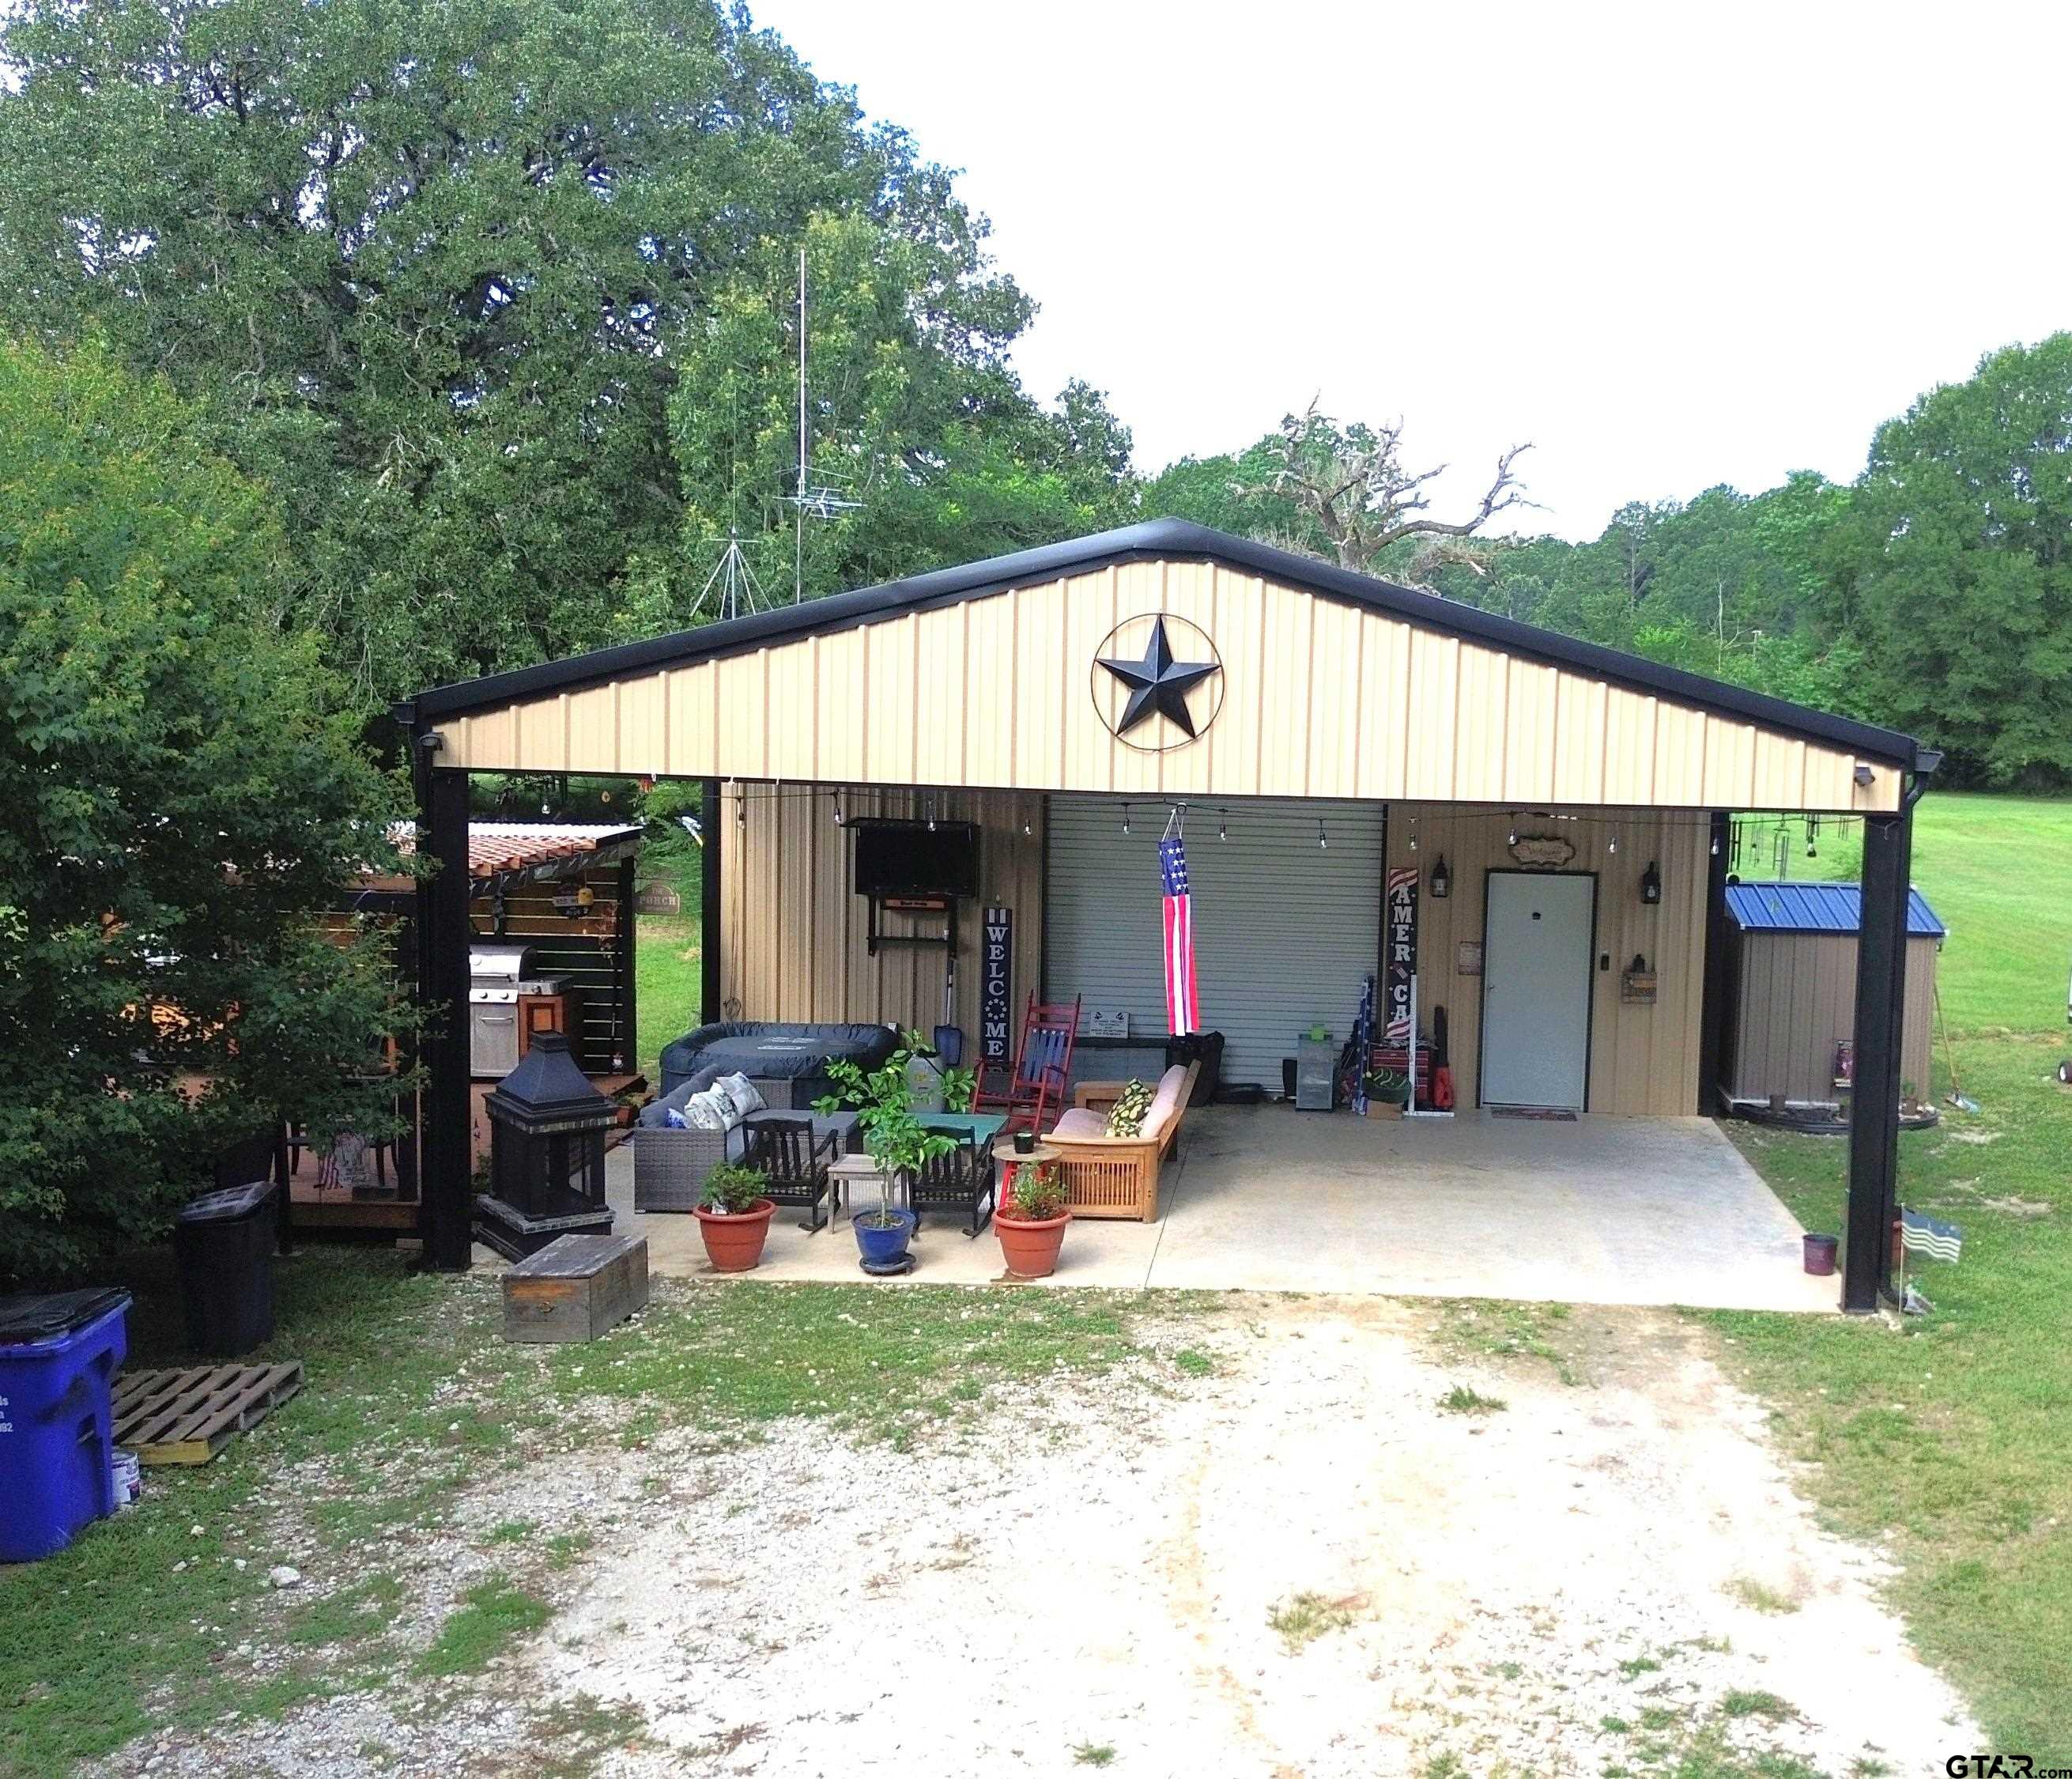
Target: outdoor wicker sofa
<point>1118,1176</point>
<point>670,1166</point>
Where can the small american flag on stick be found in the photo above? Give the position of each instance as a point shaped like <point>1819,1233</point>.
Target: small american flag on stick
<point>1183,1011</point>
<point>1920,1234</point>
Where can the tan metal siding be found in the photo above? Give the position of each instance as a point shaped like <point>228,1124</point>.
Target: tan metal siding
<point>1320,699</point>
<point>1643,1058</point>
<point>794,941</point>
<point>1797,1000</point>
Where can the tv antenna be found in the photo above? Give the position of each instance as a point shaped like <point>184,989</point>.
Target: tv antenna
<point>731,590</point>
<point>825,500</point>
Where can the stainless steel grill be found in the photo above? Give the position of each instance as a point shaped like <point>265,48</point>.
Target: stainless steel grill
<point>494,972</point>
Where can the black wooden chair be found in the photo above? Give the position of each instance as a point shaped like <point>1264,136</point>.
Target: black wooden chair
<point>794,1163</point>
<point>958,1180</point>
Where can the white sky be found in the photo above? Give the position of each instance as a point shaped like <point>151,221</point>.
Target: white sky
<point>1673,245</point>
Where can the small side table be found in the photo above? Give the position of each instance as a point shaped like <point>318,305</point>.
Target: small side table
<point>1013,1160</point>
<point>847,1172</point>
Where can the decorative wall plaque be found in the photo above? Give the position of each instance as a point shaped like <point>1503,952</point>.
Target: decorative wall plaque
<point>1543,851</point>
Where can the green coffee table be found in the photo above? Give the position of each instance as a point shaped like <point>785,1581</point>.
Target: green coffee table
<point>980,1128</point>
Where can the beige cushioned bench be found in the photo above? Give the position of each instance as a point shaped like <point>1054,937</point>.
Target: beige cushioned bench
<point>1118,1176</point>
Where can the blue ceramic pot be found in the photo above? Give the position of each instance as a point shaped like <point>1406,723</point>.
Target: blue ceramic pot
<point>879,1246</point>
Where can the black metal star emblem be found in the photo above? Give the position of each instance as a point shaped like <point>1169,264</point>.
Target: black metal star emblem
<point>1159,683</point>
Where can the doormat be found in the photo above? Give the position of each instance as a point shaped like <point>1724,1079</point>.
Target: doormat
<point>1547,1113</point>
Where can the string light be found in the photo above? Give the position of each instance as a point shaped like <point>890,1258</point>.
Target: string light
<point>1413,833</point>
<point>839,819</point>
<point>1125,818</point>
<point>1322,844</point>
<point>1223,824</point>
<point>1612,846</point>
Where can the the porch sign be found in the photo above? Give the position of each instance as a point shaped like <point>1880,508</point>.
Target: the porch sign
<point>1400,964</point>
<point>996,1012</point>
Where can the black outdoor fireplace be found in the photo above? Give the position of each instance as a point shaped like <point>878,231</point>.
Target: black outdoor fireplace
<point>546,1153</point>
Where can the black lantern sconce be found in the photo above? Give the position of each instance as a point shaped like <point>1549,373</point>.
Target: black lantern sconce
<point>1650,882</point>
<point>1442,879</point>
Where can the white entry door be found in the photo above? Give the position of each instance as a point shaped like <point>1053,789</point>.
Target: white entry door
<point>1536,989</point>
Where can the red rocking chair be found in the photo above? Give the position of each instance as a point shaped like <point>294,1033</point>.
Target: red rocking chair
<point>1042,1064</point>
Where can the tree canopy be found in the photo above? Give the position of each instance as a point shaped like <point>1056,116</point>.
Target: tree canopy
<point>182,791</point>
<point>495,296</point>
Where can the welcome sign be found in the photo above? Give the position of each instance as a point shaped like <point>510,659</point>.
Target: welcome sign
<point>996,1013</point>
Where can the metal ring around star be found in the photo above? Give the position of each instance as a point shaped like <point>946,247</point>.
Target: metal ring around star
<point>1173,650</point>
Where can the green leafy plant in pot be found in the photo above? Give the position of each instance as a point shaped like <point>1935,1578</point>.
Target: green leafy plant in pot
<point>1031,1219</point>
<point>733,1217</point>
<point>894,1139</point>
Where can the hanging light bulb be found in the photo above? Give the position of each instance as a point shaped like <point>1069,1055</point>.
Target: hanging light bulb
<point>1322,844</point>
<point>1716,845</point>
<point>1223,824</point>
<point>740,804</point>
<point>1027,828</point>
<point>1125,818</point>
<point>929,804</point>
<point>1513,840</point>
<point>1812,828</point>
<point>839,820</point>
<point>1413,833</point>
<point>1613,847</point>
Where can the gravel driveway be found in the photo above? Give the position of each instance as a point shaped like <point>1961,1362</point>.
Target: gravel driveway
<point>1272,1550</point>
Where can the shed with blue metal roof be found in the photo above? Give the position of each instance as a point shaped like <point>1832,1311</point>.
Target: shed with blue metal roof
<point>1792,960</point>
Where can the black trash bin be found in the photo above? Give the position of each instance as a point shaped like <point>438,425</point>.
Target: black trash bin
<point>224,1243</point>
<point>1206,1048</point>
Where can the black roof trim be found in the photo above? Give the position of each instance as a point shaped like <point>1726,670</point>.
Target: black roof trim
<point>1155,540</point>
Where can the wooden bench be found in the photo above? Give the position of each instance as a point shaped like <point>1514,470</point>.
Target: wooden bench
<point>1117,1176</point>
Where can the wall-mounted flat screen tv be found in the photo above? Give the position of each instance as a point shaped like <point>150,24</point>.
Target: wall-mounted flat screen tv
<point>911,858</point>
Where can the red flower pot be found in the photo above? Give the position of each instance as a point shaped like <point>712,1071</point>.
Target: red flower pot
<point>1030,1246</point>
<point>734,1239</point>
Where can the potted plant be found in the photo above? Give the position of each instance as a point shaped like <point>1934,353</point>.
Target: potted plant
<point>733,1217</point>
<point>1030,1221</point>
<point>893,1137</point>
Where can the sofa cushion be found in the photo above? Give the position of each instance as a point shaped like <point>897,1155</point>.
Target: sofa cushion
<point>1164,1103</point>
<point>1081,1121</point>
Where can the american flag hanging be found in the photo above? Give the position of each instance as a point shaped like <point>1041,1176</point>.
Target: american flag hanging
<point>1921,1233</point>
<point>1183,1011</point>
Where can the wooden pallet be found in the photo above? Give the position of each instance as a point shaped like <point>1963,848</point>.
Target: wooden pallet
<point>186,1417</point>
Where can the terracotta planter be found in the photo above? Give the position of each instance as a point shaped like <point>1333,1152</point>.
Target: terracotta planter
<point>1030,1246</point>
<point>733,1240</point>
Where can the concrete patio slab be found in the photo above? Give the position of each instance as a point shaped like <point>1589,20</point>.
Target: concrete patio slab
<point>1627,1211</point>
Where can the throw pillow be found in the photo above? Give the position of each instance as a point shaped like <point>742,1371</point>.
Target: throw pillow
<point>674,1119</point>
<point>709,1110</point>
<point>741,1094</point>
<point>1126,1118</point>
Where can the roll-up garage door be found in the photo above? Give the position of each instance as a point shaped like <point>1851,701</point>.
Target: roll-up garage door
<point>1285,930</point>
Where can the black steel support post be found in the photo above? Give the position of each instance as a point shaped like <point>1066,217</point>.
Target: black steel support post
<point>1718,991</point>
<point>1874,1110</point>
<point>445,1185</point>
<point>712,826</point>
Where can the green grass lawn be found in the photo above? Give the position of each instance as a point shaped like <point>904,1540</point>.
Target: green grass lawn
<point>411,1397</point>
<point>1949,1440</point>
<point>667,959</point>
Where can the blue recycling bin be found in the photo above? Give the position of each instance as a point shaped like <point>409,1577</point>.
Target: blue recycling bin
<point>58,1357</point>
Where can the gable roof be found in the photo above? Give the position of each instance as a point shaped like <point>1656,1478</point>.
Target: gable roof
<point>1818,907</point>
<point>1158,540</point>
